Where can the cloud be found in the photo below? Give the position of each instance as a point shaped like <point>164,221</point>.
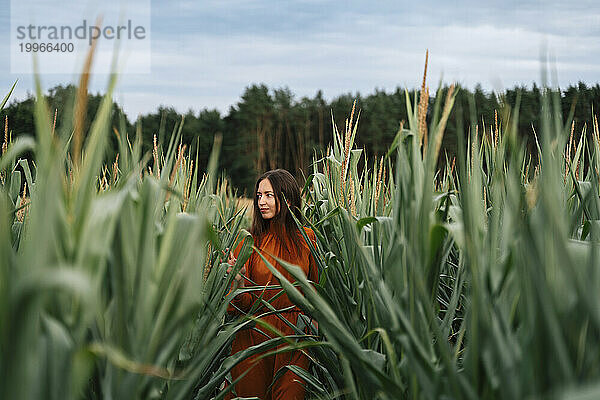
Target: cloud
<point>205,53</point>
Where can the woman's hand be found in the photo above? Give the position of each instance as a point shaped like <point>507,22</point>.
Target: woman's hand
<point>239,277</point>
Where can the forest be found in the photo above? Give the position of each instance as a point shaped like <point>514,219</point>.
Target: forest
<point>272,128</point>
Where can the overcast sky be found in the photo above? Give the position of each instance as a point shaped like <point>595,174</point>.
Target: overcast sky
<point>204,53</point>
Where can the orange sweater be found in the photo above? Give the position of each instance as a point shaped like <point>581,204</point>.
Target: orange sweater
<point>256,375</point>
<point>258,273</point>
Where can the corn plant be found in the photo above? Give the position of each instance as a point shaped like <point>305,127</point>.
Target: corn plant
<point>485,289</point>
<point>112,286</point>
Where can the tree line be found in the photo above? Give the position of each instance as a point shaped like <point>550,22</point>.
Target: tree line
<point>272,128</point>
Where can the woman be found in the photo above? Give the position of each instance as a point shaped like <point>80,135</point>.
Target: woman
<point>275,234</point>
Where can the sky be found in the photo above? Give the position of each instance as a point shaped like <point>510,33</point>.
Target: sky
<point>205,53</point>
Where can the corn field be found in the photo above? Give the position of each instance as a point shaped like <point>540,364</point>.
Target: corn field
<point>476,279</point>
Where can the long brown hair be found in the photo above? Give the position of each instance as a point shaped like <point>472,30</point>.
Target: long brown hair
<point>287,199</point>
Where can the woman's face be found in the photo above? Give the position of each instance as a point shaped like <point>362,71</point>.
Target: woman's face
<point>265,197</point>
